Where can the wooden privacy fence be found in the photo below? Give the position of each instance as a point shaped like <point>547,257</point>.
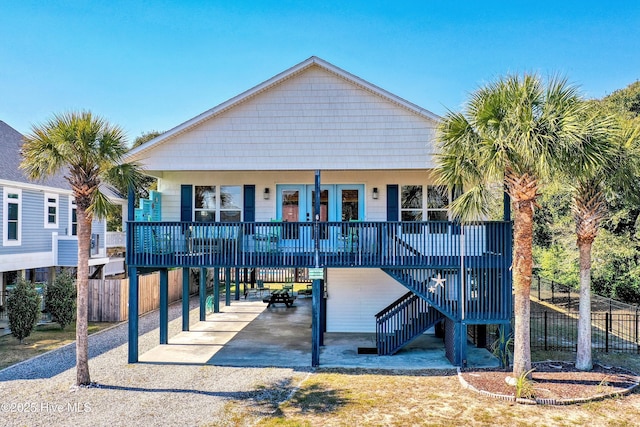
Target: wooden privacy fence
<point>109,298</point>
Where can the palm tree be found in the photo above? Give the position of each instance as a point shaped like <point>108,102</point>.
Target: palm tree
<point>87,150</point>
<point>617,172</point>
<point>511,137</point>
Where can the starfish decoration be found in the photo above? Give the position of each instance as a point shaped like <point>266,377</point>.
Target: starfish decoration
<point>432,288</point>
<point>439,280</point>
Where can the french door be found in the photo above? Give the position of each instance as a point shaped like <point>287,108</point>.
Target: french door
<point>342,202</point>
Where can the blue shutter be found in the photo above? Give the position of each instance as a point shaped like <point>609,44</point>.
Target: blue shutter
<point>249,203</point>
<point>186,203</point>
<point>393,200</point>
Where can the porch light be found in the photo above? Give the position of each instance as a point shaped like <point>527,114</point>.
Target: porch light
<point>266,193</point>
<point>374,194</point>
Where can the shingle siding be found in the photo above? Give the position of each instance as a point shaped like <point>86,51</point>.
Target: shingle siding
<point>314,120</point>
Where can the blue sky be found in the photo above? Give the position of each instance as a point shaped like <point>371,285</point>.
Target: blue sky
<point>151,65</point>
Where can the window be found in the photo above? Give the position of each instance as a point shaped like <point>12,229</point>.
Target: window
<point>12,230</point>
<point>411,203</point>
<point>205,203</point>
<point>413,206</point>
<point>50,210</point>
<point>230,203</point>
<point>73,218</point>
<point>349,205</point>
<point>209,208</point>
<point>437,202</point>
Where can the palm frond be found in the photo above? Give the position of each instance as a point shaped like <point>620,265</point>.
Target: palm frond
<point>125,176</point>
<point>88,149</point>
<point>474,204</point>
<point>100,205</point>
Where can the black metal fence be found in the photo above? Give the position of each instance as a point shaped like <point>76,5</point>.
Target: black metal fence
<point>553,330</point>
<point>614,324</point>
<point>567,298</point>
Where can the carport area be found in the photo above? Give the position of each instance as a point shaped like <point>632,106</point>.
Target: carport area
<point>246,333</point>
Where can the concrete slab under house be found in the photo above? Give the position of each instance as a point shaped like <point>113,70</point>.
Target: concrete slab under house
<point>322,173</point>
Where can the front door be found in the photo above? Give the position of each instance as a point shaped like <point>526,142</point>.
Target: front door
<point>343,202</point>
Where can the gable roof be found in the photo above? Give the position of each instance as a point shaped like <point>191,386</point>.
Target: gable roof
<point>10,159</point>
<point>274,81</point>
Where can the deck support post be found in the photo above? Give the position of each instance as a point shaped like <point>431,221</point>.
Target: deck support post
<point>164,306</point>
<point>323,313</point>
<point>133,315</point>
<point>203,294</point>
<point>461,351</point>
<point>227,287</point>
<point>316,295</point>
<point>237,294</point>
<point>506,207</point>
<point>316,219</point>
<point>216,290</point>
<point>455,342</point>
<point>185,298</point>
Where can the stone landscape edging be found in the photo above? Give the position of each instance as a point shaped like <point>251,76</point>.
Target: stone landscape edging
<point>557,402</point>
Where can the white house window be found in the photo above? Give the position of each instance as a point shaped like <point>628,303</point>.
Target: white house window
<point>208,207</point>
<point>411,203</point>
<point>12,224</point>
<point>50,210</point>
<point>73,217</point>
<point>230,203</point>
<point>437,202</point>
<point>205,203</point>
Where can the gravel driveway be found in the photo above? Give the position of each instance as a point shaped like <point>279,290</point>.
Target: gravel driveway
<point>40,391</point>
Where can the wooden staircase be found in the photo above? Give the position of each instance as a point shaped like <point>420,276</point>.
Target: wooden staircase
<point>403,321</point>
<point>421,282</point>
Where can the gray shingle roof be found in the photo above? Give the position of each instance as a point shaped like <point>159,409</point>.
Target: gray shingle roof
<point>10,158</point>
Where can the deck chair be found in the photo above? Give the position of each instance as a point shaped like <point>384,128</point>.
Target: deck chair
<point>348,239</point>
<point>260,287</point>
<point>267,238</point>
<point>288,285</point>
<point>258,290</point>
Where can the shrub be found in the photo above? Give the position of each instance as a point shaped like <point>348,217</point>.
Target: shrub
<point>23,309</point>
<point>502,347</point>
<point>60,300</point>
<point>525,386</point>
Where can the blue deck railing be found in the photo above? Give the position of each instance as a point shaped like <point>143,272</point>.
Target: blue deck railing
<point>402,321</point>
<point>330,244</point>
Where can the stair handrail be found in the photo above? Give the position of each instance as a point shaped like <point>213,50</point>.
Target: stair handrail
<point>397,305</point>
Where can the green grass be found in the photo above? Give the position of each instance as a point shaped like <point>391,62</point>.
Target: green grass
<point>44,337</point>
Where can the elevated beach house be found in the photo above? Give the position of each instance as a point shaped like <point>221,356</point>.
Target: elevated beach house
<point>316,168</point>
<point>39,225</point>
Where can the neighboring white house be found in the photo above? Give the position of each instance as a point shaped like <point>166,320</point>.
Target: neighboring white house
<point>38,221</point>
<point>254,158</point>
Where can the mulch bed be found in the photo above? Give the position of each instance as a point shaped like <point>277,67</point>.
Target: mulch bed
<point>557,383</point>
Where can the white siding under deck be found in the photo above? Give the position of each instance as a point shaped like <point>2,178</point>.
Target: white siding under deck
<point>356,295</point>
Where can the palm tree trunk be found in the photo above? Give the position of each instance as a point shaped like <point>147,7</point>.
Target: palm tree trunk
<point>522,269</point>
<point>82,281</point>
<point>584,360</point>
